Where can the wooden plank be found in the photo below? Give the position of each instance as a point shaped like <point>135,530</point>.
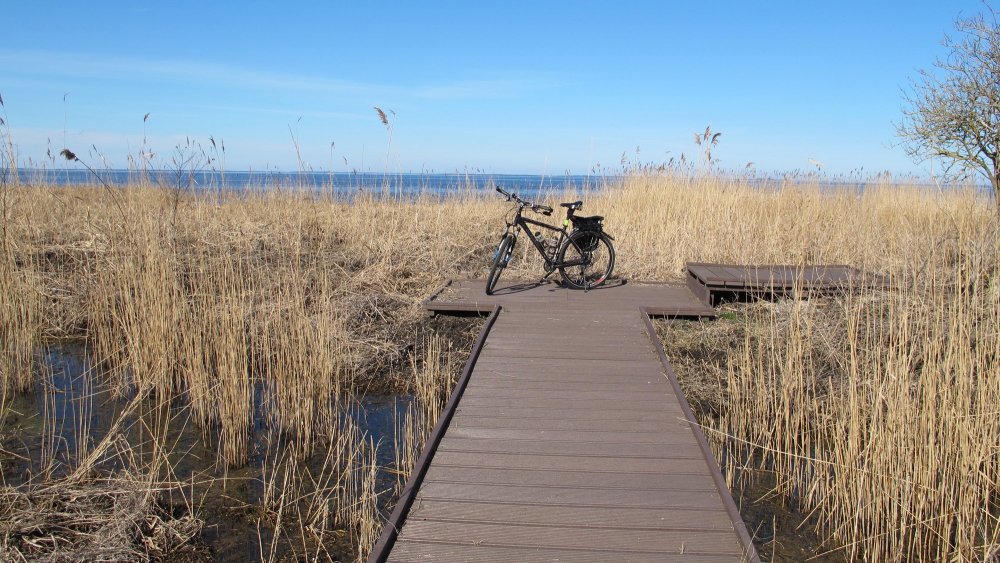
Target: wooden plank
<point>706,542</point>
<point>555,402</point>
<point>578,479</point>
<point>601,381</point>
<point>685,450</point>
<point>566,413</point>
<point>624,349</point>
<point>657,399</point>
<point>576,336</point>
<point>607,519</point>
<point>578,425</point>
<point>716,273</point>
<point>670,439</point>
<point>631,397</point>
<point>704,274</point>
<point>542,404</point>
<point>423,551</point>
<point>557,365</point>
<point>560,353</point>
<point>526,460</point>
<point>535,433</point>
<point>610,380</point>
<point>592,496</point>
<point>486,406</point>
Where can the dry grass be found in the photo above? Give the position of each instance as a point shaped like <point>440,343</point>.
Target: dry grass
<point>875,411</point>
<point>431,386</point>
<point>112,519</point>
<point>878,412</point>
<point>307,510</point>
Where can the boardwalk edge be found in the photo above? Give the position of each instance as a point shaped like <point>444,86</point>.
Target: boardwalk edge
<point>426,303</point>
<point>387,539</point>
<point>750,552</point>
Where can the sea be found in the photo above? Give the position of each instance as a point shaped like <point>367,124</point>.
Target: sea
<point>347,185</point>
<point>340,184</point>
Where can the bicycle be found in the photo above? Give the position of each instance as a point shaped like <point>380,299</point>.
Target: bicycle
<point>584,256</point>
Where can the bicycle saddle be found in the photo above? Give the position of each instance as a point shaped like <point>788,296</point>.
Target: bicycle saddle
<point>574,206</point>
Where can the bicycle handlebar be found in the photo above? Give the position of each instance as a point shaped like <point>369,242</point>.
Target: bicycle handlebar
<point>537,208</point>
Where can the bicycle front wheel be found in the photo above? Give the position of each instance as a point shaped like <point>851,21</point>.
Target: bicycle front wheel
<point>586,259</point>
<point>500,259</point>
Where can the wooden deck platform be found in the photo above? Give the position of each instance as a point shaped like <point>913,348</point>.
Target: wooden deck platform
<point>658,299</point>
<point>567,439</point>
<point>713,283</point>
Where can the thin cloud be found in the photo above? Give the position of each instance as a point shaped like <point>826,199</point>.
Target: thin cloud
<point>34,63</point>
<point>80,65</point>
<point>482,89</point>
<point>281,111</point>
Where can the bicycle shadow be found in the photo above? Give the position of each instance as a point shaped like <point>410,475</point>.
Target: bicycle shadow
<point>553,285</point>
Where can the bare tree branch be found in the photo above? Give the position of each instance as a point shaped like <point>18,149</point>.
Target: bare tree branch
<point>954,111</point>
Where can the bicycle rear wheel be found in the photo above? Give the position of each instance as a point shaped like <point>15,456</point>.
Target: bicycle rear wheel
<point>500,259</point>
<point>586,259</point>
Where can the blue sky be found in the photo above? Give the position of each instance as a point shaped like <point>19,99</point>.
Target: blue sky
<point>497,87</point>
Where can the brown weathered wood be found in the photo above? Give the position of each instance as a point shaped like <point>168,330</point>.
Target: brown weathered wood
<point>707,542</point>
<point>544,299</point>
<point>579,425</point>
<point>570,440</point>
<point>548,434</point>
<point>478,553</point>
<point>712,282</point>
<point>594,497</point>
<point>566,412</point>
<point>629,518</point>
<point>539,447</point>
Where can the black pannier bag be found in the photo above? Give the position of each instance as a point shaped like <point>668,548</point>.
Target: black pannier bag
<point>593,223</point>
<point>588,242</point>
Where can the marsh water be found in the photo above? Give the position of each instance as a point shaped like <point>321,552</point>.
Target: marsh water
<point>71,412</point>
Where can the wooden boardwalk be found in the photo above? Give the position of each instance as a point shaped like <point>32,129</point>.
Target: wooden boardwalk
<point>567,439</point>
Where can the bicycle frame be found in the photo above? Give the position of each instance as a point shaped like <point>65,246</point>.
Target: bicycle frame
<point>550,259</point>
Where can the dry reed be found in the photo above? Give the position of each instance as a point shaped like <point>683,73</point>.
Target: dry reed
<point>877,412</point>
<point>112,519</point>
<point>227,299</point>
<point>431,385</point>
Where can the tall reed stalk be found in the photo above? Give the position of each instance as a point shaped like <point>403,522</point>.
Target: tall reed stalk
<point>432,383</point>
<point>22,296</point>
